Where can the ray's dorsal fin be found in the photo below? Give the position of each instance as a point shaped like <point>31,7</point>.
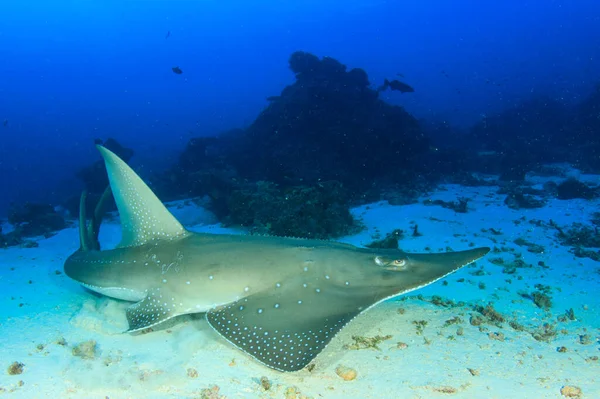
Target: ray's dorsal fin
<point>143,217</point>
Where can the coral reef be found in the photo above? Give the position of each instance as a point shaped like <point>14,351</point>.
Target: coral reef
<point>265,383</point>
<point>491,315</point>
<point>570,391</point>
<point>569,315</point>
<point>541,298</point>
<point>318,211</point>
<point>328,126</point>
<point>86,350</point>
<point>346,373</point>
<point>519,200</point>
<point>453,320</point>
<point>585,146</point>
<point>579,235</point>
<point>420,326</point>
<point>512,267</point>
<point>211,393</point>
<point>31,220</point>
<point>458,206</point>
<point>15,368</point>
<point>536,127</point>
<point>367,342</point>
<point>544,333</point>
<point>531,247</point>
<point>547,130</point>
<point>192,372</point>
<point>34,219</point>
<point>390,241</point>
<point>586,253</point>
<point>573,188</point>
<point>11,239</point>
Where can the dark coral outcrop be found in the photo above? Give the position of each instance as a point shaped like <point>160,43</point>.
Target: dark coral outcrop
<point>31,220</point>
<point>326,133</point>
<point>318,211</point>
<point>572,188</point>
<point>519,138</point>
<point>329,125</point>
<point>585,138</point>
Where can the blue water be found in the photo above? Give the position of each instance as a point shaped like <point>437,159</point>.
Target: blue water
<point>498,146</point>
<point>73,71</point>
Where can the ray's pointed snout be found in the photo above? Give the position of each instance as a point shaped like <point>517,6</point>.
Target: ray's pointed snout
<point>456,258</point>
<point>440,264</point>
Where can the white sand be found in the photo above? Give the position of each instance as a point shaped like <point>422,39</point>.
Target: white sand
<point>40,308</point>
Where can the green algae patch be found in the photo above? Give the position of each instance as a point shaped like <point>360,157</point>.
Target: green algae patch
<point>85,350</point>
<point>361,342</point>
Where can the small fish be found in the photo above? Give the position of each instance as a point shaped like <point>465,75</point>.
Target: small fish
<point>5,123</point>
<point>177,70</point>
<point>396,85</point>
<point>168,34</point>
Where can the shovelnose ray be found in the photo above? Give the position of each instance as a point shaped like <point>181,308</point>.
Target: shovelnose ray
<point>280,300</point>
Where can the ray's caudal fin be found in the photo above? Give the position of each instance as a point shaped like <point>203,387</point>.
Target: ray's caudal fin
<point>88,231</point>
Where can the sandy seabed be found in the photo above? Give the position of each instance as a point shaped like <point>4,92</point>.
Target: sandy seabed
<point>476,334</point>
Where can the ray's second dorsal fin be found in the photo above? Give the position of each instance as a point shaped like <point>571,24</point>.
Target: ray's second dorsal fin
<point>143,217</point>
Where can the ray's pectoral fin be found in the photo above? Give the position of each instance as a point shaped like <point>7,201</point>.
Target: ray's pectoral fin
<point>284,329</point>
<point>158,306</point>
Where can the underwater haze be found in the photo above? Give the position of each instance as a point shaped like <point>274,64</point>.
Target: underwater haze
<point>299,199</point>
<point>74,71</point>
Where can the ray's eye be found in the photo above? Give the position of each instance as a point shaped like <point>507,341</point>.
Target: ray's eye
<point>390,264</point>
